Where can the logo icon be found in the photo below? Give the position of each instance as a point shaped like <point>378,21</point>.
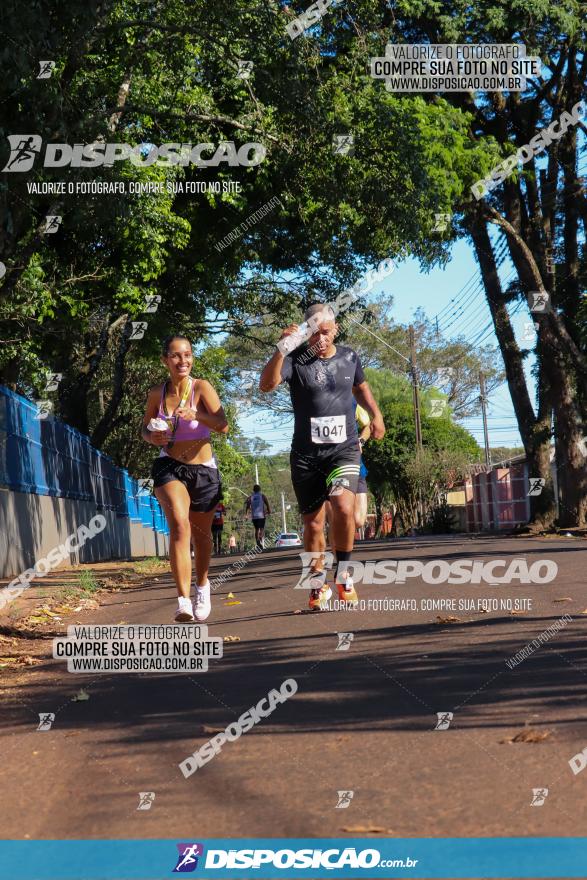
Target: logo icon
<point>441,224</point>
<point>52,224</point>
<point>308,573</point>
<point>344,641</point>
<point>344,799</point>
<point>536,485</point>
<point>338,485</point>
<point>244,69</point>
<point>437,407</point>
<point>529,334</point>
<point>444,719</point>
<point>46,68</point>
<point>343,144</point>
<point>45,408</point>
<point>137,329</point>
<point>187,860</point>
<point>539,795</point>
<point>23,150</point>
<point>538,302</point>
<point>53,380</point>
<point>46,719</point>
<point>153,303</point>
<point>146,799</point>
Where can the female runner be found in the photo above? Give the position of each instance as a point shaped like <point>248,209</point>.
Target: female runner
<point>185,476</point>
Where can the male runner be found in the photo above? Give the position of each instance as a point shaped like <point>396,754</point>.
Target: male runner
<point>259,506</point>
<point>325,455</point>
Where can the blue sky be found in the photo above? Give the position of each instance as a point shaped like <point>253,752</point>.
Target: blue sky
<point>436,292</point>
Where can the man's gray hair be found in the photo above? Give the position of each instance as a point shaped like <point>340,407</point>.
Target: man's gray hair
<point>320,307</point>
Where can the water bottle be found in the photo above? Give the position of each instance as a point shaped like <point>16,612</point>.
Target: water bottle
<point>290,343</point>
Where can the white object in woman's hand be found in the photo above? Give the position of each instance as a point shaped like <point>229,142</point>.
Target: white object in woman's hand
<point>157,425</point>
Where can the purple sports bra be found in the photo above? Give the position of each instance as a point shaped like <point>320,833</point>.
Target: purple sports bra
<point>185,430</point>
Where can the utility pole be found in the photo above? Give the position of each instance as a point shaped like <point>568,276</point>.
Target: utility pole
<point>483,399</point>
<point>256,473</point>
<point>283,512</point>
<point>415,389</point>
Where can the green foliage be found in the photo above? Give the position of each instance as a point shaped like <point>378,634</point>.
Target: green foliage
<point>441,518</point>
<point>87,581</point>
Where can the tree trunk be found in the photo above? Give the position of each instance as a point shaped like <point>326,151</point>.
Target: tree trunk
<point>106,423</point>
<point>556,363</point>
<point>535,432</point>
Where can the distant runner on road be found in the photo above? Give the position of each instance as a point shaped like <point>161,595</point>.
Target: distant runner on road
<point>324,381</point>
<point>179,417</point>
<point>218,526</point>
<point>259,506</point>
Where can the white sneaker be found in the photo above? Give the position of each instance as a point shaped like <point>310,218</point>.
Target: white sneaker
<point>202,605</point>
<point>185,611</point>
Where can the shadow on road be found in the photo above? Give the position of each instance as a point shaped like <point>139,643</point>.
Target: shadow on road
<point>390,679</point>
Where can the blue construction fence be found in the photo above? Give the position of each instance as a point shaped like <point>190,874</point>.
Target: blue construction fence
<point>47,457</point>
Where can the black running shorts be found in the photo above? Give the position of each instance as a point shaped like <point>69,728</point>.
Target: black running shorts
<point>259,522</point>
<point>202,482</point>
<point>318,474</point>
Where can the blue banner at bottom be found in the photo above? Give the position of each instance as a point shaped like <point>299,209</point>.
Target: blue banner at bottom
<point>416,858</point>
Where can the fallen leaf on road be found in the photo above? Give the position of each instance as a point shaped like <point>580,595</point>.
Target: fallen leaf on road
<point>20,660</point>
<point>563,599</point>
<point>206,729</point>
<point>583,612</point>
<point>448,619</point>
<point>517,613</point>
<point>27,660</point>
<point>81,695</point>
<point>232,638</point>
<point>298,611</point>
<point>233,603</point>
<point>8,661</point>
<point>87,605</point>
<point>528,735</point>
<point>230,596</point>
<point>367,829</point>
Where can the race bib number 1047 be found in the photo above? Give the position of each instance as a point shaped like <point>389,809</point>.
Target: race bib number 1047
<point>328,429</point>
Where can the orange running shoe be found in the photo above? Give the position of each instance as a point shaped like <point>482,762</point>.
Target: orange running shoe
<point>347,592</point>
<point>320,593</point>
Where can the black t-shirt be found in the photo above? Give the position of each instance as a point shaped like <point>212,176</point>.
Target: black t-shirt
<point>321,392</point>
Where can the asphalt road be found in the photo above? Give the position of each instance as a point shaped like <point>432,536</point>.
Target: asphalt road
<point>362,720</point>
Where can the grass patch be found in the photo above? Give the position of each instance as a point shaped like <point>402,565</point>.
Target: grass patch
<point>151,565</point>
<point>87,582</point>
